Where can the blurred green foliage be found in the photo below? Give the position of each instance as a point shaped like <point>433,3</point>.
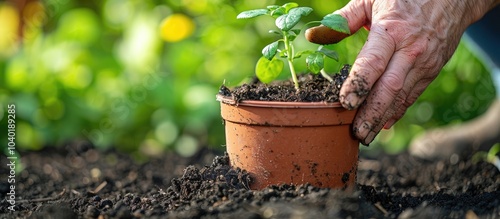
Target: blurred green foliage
<point>141,76</point>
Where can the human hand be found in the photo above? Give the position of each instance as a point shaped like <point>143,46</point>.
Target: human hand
<point>408,44</point>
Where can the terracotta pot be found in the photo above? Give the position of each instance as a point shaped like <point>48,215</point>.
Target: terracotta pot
<point>291,142</point>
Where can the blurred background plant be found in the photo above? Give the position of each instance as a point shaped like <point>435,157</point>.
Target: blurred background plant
<point>141,75</point>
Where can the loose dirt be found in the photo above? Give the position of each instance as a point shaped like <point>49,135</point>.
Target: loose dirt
<point>80,181</point>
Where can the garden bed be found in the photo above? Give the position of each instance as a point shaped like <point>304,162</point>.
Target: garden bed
<point>80,181</point>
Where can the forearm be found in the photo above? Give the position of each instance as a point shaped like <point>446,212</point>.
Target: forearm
<point>480,8</point>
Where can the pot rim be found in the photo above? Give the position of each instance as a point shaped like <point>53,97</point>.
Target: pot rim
<point>277,104</point>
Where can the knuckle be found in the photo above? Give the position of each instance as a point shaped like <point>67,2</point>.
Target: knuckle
<point>431,64</point>
<point>417,49</point>
<point>391,82</point>
<point>376,63</point>
<point>400,99</point>
<point>371,63</point>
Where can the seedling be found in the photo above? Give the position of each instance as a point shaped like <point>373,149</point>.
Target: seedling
<point>287,16</point>
<point>490,156</point>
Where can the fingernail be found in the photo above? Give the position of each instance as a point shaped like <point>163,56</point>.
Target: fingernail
<point>369,138</point>
<point>363,130</point>
<point>351,101</point>
<point>389,124</point>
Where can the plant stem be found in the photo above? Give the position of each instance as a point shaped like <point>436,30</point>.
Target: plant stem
<point>325,75</point>
<point>290,57</point>
<point>495,161</point>
<point>311,23</point>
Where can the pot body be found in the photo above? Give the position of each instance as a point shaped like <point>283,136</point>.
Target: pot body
<point>292,143</point>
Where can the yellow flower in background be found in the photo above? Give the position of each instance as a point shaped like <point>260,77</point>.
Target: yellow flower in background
<point>9,27</point>
<point>176,27</point>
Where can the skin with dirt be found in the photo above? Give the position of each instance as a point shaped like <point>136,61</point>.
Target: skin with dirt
<point>82,182</point>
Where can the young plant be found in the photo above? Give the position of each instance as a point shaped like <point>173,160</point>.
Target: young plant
<point>490,156</point>
<point>286,18</point>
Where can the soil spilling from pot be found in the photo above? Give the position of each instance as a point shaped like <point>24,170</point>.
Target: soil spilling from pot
<point>313,88</point>
<point>80,181</point>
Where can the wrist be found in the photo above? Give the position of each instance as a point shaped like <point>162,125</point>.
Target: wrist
<point>478,9</point>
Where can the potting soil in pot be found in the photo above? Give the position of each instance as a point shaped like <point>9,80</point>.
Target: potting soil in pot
<point>313,88</point>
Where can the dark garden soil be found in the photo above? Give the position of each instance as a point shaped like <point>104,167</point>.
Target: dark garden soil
<point>313,88</point>
<point>80,181</point>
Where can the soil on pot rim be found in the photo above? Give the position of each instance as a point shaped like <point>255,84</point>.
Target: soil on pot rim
<point>313,88</point>
<point>80,181</point>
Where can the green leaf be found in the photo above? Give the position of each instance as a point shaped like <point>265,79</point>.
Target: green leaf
<point>336,22</point>
<point>289,6</point>
<point>273,7</point>
<point>295,31</point>
<point>268,70</point>
<point>270,50</point>
<point>315,62</point>
<point>494,150</point>
<point>278,12</point>
<point>276,32</point>
<point>283,53</point>
<point>299,54</point>
<point>329,53</point>
<point>303,11</point>
<point>287,21</point>
<point>252,13</point>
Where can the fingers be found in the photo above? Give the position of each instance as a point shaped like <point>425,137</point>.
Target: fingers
<point>410,100</point>
<point>324,35</point>
<point>389,92</point>
<point>356,17</point>
<point>369,66</point>
<point>357,13</point>
<point>407,97</point>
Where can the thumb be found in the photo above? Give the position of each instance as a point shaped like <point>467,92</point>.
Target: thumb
<point>356,14</point>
